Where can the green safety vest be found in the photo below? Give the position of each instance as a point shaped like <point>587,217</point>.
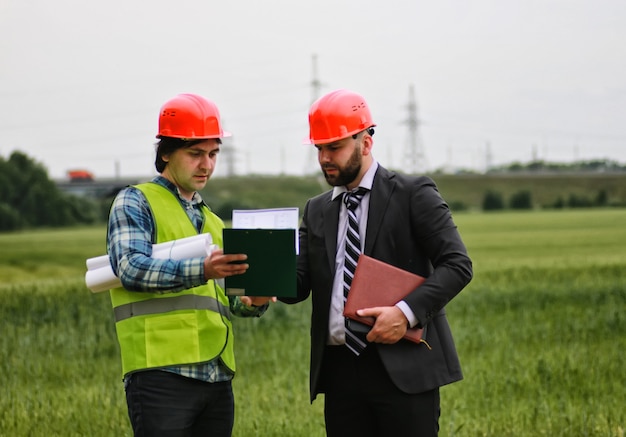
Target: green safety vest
<point>189,327</point>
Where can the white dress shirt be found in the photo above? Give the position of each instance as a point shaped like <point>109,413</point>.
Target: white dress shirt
<point>336,322</point>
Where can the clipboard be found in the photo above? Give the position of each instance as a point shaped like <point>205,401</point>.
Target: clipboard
<point>272,259</point>
<point>377,283</point>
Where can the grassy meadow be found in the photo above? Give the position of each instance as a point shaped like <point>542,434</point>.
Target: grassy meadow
<point>541,333</point>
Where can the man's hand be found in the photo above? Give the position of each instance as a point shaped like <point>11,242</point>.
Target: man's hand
<point>218,265</point>
<point>256,301</point>
<point>391,324</point>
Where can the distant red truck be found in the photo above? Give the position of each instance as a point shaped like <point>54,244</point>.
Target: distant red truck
<point>80,176</point>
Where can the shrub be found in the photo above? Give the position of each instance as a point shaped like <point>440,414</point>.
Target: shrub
<point>492,201</point>
<point>577,201</point>
<point>602,199</point>
<point>521,200</point>
<point>457,205</point>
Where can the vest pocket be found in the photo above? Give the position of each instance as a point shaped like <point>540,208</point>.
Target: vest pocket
<point>172,339</point>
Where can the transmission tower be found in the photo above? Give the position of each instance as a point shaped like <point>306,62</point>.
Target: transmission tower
<point>228,155</point>
<point>415,160</point>
<point>316,85</point>
<point>310,165</point>
<point>488,157</point>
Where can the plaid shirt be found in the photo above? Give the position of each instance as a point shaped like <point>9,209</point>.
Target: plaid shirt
<point>131,233</point>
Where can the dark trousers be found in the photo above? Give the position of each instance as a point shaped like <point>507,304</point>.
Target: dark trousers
<point>360,399</point>
<point>168,405</point>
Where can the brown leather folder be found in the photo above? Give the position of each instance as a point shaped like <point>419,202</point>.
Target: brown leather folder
<point>376,284</point>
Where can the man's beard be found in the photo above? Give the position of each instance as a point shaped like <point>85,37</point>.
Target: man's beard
<point>346,174</point>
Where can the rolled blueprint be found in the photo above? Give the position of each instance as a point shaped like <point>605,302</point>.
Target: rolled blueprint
<point>103,260</point>
<point>100,276</point>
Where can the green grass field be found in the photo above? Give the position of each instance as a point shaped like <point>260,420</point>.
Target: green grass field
<point>541,333</point>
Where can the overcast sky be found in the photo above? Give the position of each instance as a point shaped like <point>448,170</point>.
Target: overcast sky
<point>81,82</point>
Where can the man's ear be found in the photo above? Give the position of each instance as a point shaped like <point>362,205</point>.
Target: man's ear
<point>368,143</point>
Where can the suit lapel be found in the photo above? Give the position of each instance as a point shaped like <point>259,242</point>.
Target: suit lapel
<point>382,189</point>
<point>330,218</point>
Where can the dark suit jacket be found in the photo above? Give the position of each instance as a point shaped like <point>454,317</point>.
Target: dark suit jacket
<point>409,226</point>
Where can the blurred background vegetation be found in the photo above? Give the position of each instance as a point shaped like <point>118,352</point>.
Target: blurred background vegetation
<point>29,199</point>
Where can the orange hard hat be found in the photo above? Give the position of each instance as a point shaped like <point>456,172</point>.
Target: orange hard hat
<point>338,115</point>
<point>190,116</point>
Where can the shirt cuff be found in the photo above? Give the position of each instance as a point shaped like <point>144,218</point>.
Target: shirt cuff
<point>193,272</point>
<point>402,305</point>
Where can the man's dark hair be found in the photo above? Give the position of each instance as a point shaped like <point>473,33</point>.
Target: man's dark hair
<point>369,130</point>
<point>167,145</point>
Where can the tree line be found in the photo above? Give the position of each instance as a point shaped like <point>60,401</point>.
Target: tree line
<point>541,166</point>
<point>29,199</point>
<point>494,200</point>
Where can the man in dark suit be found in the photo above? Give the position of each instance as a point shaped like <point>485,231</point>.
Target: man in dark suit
<point>383,384</point>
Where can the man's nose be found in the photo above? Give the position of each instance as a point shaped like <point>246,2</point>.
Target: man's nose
<point>206,161</point>
<point>323,155</point>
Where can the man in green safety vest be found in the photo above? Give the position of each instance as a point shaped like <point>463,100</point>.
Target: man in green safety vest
<point>172,317</point>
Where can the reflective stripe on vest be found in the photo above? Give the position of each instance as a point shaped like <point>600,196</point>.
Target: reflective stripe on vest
<point>158,306</point>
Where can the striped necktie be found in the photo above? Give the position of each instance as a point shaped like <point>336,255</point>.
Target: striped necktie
<point>352,199</point>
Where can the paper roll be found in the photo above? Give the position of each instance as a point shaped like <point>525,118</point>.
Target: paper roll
<point>103,260</point>
<point>100,276</point>
<point>97,262</point>
<point>101,279</point>
<point>181,249</point>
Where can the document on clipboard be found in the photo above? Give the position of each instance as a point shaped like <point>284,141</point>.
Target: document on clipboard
<point>377,283</point>
<point>269,238</point>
